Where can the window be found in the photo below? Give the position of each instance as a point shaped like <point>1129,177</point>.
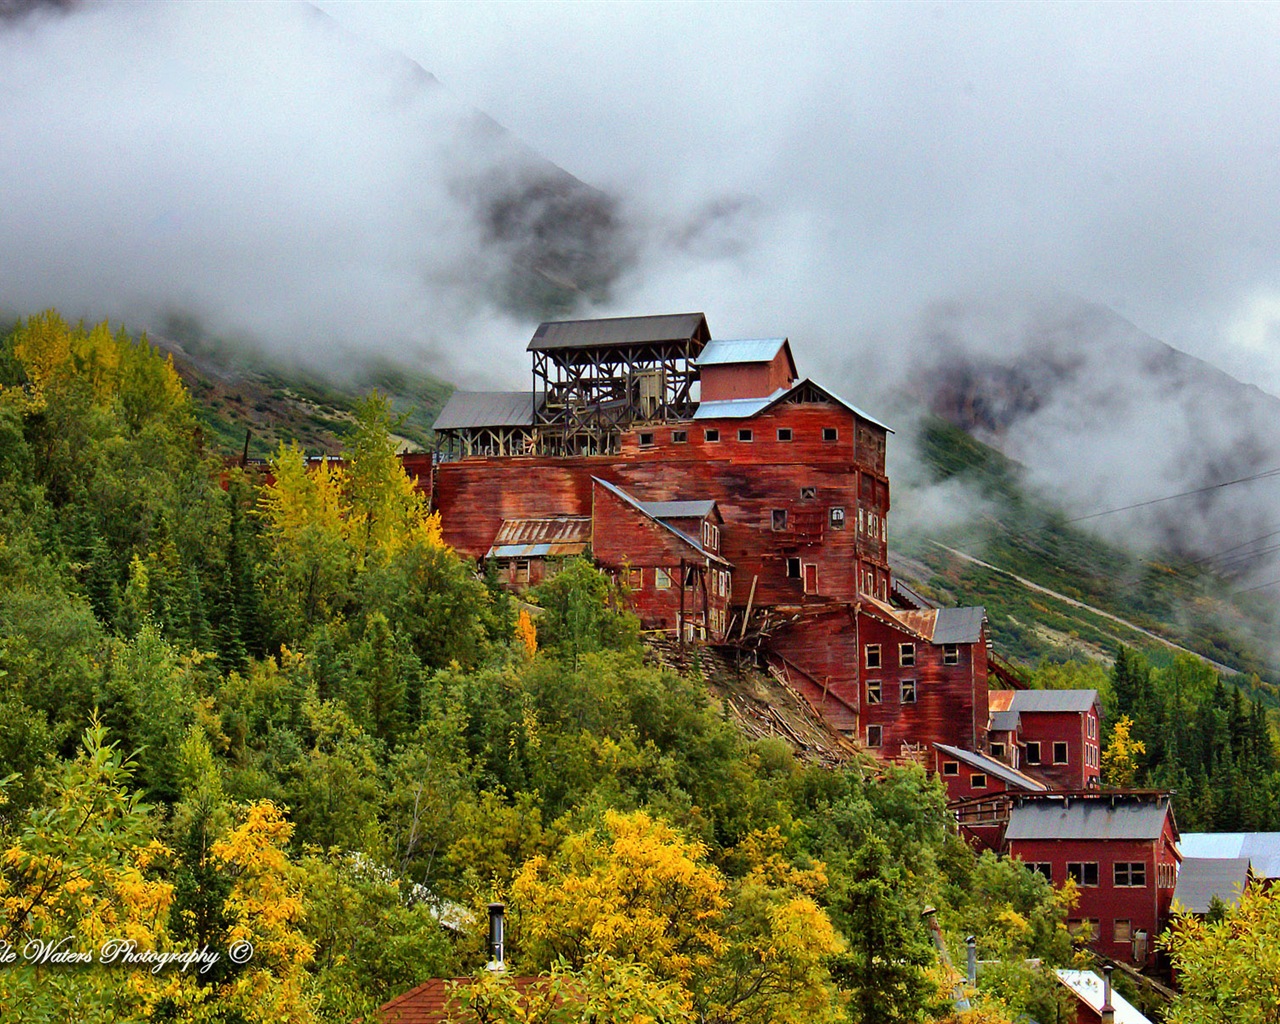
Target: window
<point>873,735</point>
<point>1166,876</point>
<point>908,691</point>
<point>906,655</point>
<point>1085,930</point>
<point>977,781</point>
<point>1083,872</point>
<point>808,493</point>
<point>793,568</point>
<point>873,691</point>
<point>711,435</point>
<point>646,439</point>
<point>950,767</point>
<point>710,536</point>
<point>830,434</point>
<point>1130,874</point>
<point>522,570</point>
<point>951,654</point>
<point>745,434</point>
<point>784,433</point>
<point>1044,867</point>
<point>873,655</point>
<point>690,577</point>
<point>1092,727</point>
<point>1123,931</point>
<point>1033,752</point>
<point>1059,753</point>
<point>997,750</point>
<point>862,528</point>
<point>679,436</point>
<point>836,517</point>
<point>779,518</point>
<point>661,579</point>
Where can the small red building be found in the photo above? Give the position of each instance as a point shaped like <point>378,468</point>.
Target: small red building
<point>1121,849</point>
<point>977,791</point>
<point>1054,738</point>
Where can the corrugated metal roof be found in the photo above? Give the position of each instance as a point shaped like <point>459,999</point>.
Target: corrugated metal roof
<point>1005,721</point>
<point>1089,988</point>
<point>1053,700</point>
<point>1000,700</point>
<point>545,537</point>
<point>1009,776</point>
<point>848,405</point>
<point>958,625</point>
<point>621,330</point>
<point>1202,878</point>
<point>740,350</point>
<point>1262,849</point>
<point>485,409</point>
<point>618,492</point>
<point>679,509</point>
<point>1077,817</point>
<point>735,408</point>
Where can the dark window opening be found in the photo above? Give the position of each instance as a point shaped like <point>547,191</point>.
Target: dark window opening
<point>1059,753</point>
<point>808,493</point>
<point>908,691</point>
<point>1083,873</point>
<point>873,735</point>
<point>873,655</point>
<point>646,439</point>
<point>977,781</point>
<point>873,691</point>
<point>793,568</point>
<point>951,654</point>
<point>784,433</point>
<point>712,435</point>
<point>1033,752</point>
<point>950,767</point>
<point>830,434</point>
<point>1044,867</point>
<point>779,518</point>
<point>679,436</point>
<point>744,434</point>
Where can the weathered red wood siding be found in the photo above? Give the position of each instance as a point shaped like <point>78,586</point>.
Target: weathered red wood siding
<point>745,380</point>
<point>1146,907</point>
<point>951,700</point>
<point>624,538</point>
<point>818,656</point>
<point>1072,728</point>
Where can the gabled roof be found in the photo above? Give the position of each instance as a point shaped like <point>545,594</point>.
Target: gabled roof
<point>1089,989</point>
<point>639,506</point>
<point>1202,878</point>
<point>617,331</point>
<point>545,537</point>
<point>679,509</point>
<point>998,769</point>
<point>1262,849</point>
<point>935,625</point>
<point>746,350</point>
<point>486,409</point>
<point>809,383</point>
<point>1101,816</point>
<point>1025,701</point>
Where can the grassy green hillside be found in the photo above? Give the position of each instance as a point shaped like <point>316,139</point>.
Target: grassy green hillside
<point>1026,537</point>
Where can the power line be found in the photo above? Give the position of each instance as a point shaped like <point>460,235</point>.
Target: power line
<point>1181,494</point>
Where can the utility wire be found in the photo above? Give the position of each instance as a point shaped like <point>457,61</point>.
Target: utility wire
<point>1181,494</point>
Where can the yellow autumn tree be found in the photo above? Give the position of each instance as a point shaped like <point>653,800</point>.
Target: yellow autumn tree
<point>527,633</point>
<point>1120,758</point>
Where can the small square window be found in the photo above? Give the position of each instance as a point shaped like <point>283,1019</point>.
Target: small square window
<point>836,517</point>
<point>1130,874</point>
<point>1059,753</point>
<point>950,767</point>
<point>1083,872</point>
<point>1042,867</point>
<point>874,733</point>
<point>808,493</point>
<point>830,434</point>
<point>793,568</point>
<point>873,691</point>
<point>906,655</point>
<point>679,436</point>
<point>779,519</point>
<point>711,435</point>
<point>977,781</point>
<point>784,433</point>
<point>745,434</point>
<point>908,691</point>
<point>1033,752</point>
<point>951,654</point>
<point>661,579</point>
<point>646,439</point>
<point>873,655</point>
<point>997,750</point>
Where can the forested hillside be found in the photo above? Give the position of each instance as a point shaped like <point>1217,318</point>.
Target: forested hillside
<point>288,715</point>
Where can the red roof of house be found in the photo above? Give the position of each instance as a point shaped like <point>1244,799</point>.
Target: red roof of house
<point>434,1000</point>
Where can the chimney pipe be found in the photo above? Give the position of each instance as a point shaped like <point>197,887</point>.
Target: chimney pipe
<point>1108,1011</point>
<point>972,943</point>
<point>497,938</point>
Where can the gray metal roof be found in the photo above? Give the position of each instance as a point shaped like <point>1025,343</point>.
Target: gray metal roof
<point>991,766</point>
<point>622,330</point>
<point>1202,878</point>
<point>1089,989</point>
<point>1053,700</point>
<point>958,625</point>
<point>740,350</point>
<point>1261,848</point>
<point>1080,817</point>
<point>1005,721</point>
<point>485,409</point>
<point>679,509</point>
<point>735,408</point>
